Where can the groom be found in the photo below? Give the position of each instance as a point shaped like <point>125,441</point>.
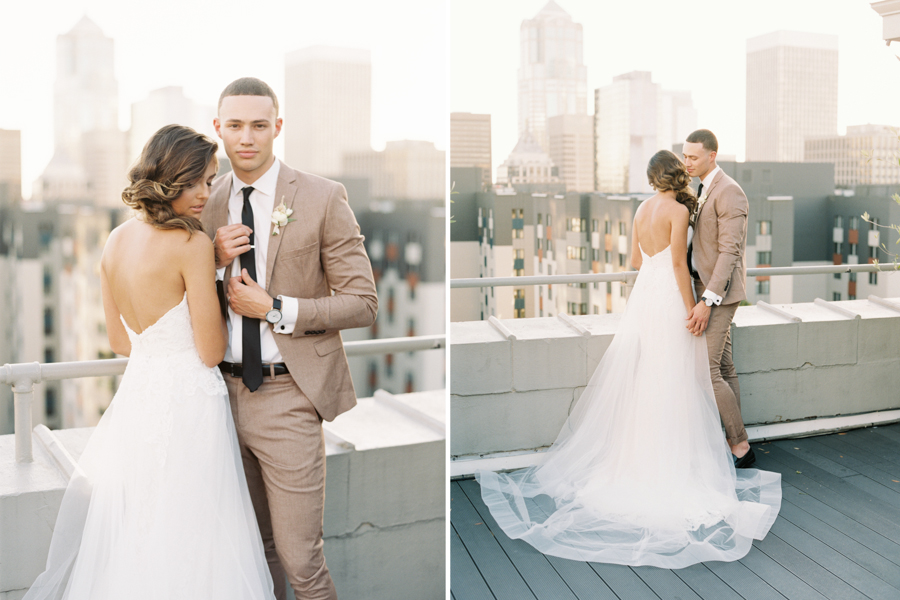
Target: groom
<point>289,289</point>
<point>716,261</point>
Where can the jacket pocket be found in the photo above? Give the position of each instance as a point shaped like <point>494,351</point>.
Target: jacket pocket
<point>303,250</point>
<point>329,344</point>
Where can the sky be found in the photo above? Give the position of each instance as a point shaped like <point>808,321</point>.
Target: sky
<point>698,46</point>
<point>202,46</point>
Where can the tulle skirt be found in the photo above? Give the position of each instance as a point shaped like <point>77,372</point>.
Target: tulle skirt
<point>641,473</point>
<point>159,507</point>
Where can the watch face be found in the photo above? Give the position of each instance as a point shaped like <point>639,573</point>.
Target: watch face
<point>273,316</point>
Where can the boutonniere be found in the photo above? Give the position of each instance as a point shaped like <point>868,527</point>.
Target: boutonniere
<point>701,202</point>
<point>281,216</point>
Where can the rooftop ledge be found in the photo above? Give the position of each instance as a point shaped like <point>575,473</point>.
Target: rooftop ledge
<point>384,513</point>
<point>803,369</point>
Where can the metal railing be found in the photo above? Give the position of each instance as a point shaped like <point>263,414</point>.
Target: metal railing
<point>629,276</point>
<point>23,376</point>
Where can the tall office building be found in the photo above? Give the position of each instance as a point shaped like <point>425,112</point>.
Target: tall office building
<point>89,148</point>
<point>327,107</point>
<point>572,150</point>
<point>851,166</point>
<point>10,166</point>
<point>792,93</point>
<point>552,74</point>
<point>528,163</point>
<point>470,143</point>
<point>633,119</point>
<point>165,106</point>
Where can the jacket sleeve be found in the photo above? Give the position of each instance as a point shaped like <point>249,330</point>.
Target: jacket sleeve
<point>353,302</point>
<point>731,214</point>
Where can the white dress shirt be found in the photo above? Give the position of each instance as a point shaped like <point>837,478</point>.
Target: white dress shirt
<point>706,182</point>
<point>262,199</point>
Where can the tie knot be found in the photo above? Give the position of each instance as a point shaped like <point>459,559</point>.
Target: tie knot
<point>247,191</point>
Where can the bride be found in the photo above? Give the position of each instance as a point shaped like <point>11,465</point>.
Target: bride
<point>641,473</point>
<point>158,506</point>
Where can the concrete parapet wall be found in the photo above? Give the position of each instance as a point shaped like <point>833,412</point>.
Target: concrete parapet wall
<point>384,501</point>
<point>515,395</point>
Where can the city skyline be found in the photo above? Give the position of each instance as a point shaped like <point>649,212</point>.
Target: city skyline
<point>659,37</point>
<point>403,106</point>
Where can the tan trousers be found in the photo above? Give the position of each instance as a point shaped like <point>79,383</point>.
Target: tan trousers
<point>283,450</point>
<point>721,368</point>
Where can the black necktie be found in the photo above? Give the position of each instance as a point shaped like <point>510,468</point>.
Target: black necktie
<point>252,361</point>
<point>690,256</point>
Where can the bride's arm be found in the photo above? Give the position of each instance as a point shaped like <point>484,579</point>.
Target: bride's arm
<point>199,273</point>
<point>678,241</point>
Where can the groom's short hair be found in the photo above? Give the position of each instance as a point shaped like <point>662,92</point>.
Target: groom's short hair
<point>705,137</point>
<point>249,86</point>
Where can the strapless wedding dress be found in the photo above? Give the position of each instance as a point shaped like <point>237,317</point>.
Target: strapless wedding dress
<point>158,506</point>
<point>641,473</point>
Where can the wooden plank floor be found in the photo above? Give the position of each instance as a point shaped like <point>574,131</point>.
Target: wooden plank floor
<point>837,537</point>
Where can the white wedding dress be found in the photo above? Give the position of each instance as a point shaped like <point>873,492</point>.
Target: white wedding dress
<point>159,507</point>
<point>641,473</point>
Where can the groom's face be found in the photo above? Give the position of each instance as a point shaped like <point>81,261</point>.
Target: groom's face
<point>248,127</point>
<point>698,160</point>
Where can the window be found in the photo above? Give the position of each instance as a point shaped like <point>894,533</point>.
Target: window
<point>595,254</point>
<point>582,308</point>
<point>520,253</point>
<point>609,287</point>
<point>48,321</point>
<point>549,220</point>
<point>45,231</point>
<point>621,260</point>
<point>764,227</point>
<point>607,257</point>
<point>48,355</point>
<point>852,276</point>
<point>838,247</point>
<point>607,226</point>
<point>575,224</point>
<point>621,227</point>
<point>873,278</point>
<point>48,280</point>
<point>838,221</point>
<point>50,401</point>
<point>540,217</point>
<point>519,313</point>
<point>854,249</point>
<point>763,258</point>
<point>390,305</point>
<point>582,253</point>
<point>595,225</point>
<point>389,365</point>
<point>836,296</point>
<point>584,225</point>
<point>762,287</point>
<point>854,222</point>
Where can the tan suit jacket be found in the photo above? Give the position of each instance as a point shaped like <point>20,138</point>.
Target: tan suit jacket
<point>319,253</point>
<point>720,237</point>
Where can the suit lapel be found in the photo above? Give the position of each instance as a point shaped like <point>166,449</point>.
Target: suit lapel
<point>286,189</point>
<point>712,186</point>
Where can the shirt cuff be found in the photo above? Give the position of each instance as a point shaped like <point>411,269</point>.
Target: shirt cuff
<point>717,299</point>
<point>290,308</point>
<point>220,274</point>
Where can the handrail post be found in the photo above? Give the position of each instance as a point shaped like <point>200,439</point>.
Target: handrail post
<point>24,379</point>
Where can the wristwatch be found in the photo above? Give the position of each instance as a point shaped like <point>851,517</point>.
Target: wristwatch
<point>274,315</point>
<point>708,301</point>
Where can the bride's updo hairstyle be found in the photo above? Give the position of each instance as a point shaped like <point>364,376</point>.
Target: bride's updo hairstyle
<point>666,172</point>
<point>175,158</point>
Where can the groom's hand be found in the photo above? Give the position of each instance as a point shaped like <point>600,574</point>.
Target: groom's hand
<point>231,241</point>
<point>247,298</point>
<point>698,318</point>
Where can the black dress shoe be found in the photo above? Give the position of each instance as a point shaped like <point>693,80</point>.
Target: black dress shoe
<point>746,461</point>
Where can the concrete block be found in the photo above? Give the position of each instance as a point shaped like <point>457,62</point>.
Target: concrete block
<point>548,363</point>
<point>765,347</point>
<point>406,561</point>
<point>596,349</point>
<point>512,421</point>
<point>827,343</point>
<point>879,338</point>
<point>481,359</point>
<point>13,595</point>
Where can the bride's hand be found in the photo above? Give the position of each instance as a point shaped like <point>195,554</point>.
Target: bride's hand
<point>698,318</point>
<point>247,298</point>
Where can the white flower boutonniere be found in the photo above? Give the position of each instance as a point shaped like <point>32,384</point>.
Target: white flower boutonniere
<point>700,203</point>
<point>281,216</point>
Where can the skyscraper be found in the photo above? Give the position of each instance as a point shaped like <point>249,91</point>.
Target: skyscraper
<point>552,74</point>
<point>89,148</point>
<point>470,143</point>
<point>633,119</point>
<point>327,107</point>
<point>792,93</point>
<point>572,150</point>
<point>10,166</point>
<point>851,166</point>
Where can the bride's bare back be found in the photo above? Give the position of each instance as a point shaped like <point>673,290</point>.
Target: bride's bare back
<point>146,271</point>
<point>659,223</point>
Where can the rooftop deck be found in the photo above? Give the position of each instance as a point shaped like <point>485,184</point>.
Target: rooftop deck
<point>837,537</point>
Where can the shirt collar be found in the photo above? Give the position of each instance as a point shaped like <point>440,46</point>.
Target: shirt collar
<point>265,184</point>
<point>710,176</point>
